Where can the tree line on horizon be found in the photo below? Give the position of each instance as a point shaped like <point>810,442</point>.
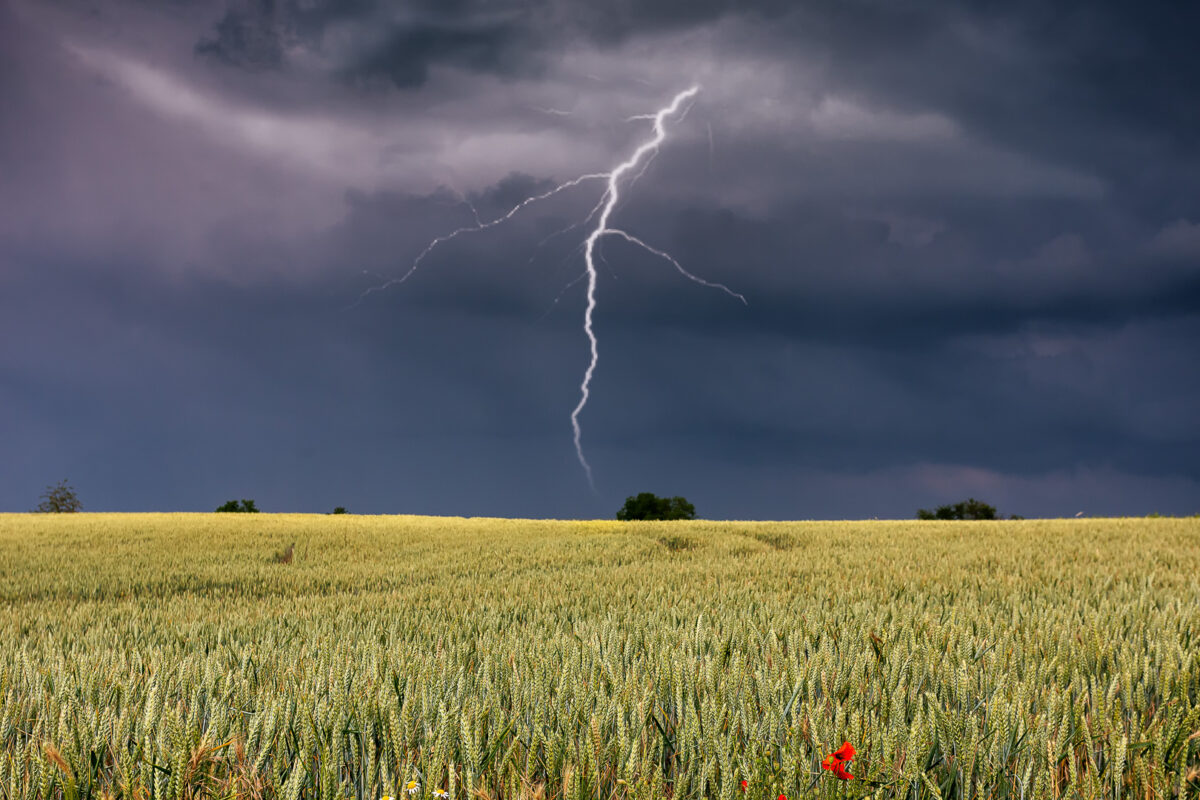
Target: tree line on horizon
<point>646,506</point>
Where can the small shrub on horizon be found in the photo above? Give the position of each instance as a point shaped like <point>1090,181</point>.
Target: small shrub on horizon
<point>968,509</point>
<point>244,507</point>
<point>649,506</point>
<point>59,499</point>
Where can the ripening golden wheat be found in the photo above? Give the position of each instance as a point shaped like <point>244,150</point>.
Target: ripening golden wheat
<point>176,656</point>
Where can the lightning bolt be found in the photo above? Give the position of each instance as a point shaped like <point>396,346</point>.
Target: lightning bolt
<point>633,167</point>
<point>611,195</point>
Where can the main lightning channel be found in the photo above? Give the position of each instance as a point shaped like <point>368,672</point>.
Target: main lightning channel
<point>634,166</point>
<point>611,196</point>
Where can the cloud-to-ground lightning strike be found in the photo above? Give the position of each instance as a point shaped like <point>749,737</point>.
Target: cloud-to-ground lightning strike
<point>633,167</point>
<point>611,196</point>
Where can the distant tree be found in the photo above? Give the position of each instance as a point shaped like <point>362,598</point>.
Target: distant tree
<point>59,499</point>
<point>650,506</point>
<point>340,510</point>
<point>968,509</point>
<point>245,506</point>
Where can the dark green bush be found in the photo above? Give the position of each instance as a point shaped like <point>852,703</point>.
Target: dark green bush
<point>968,509</point>
<point>652,507</point>
<point>245,506</point>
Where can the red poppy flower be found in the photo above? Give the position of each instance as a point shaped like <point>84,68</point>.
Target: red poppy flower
<point>744,784</point>
<point>837,767</point>
<point>835,762</point>
<point>783,797</point>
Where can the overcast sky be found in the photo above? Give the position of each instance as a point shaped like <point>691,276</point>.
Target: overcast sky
<point>968,235</point>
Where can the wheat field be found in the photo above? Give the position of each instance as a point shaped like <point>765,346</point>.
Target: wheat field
<point>182,656</point>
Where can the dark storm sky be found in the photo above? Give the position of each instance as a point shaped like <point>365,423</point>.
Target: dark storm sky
<point>968,235</point>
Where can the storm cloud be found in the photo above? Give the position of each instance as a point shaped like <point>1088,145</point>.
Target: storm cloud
<point>968,238</point>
